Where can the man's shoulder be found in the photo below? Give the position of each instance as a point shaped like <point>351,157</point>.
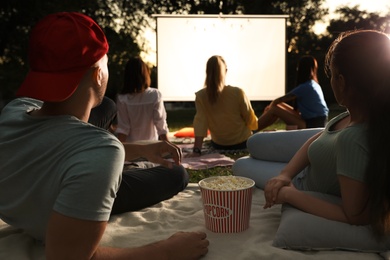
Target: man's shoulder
<point>23,104</point>
<point>95,137</point>
<point>26,101</point>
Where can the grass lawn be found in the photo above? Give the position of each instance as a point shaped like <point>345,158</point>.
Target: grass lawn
<point>179,118</point>
<point>197,175</point>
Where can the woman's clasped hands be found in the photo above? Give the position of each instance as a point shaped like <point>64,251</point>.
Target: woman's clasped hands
<point>275,190</point>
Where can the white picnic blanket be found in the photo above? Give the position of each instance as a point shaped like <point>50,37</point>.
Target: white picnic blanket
<point>184,212</point>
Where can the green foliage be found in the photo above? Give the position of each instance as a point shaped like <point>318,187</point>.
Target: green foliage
<point>178,119</point>
<point>351,18</point>
<point>121,23</point>
<point>122,47</point>
<point>124,21</point>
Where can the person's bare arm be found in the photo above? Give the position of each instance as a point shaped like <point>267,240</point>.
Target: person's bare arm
<point>70,238</point>
<point>197,145</point>
<point>299,161</point>
<point>163,137</point>
<point>285,98</point>
<point>354,196</point>
<point>353,209</point>
<point>198,142</point>
<point>154,151</point>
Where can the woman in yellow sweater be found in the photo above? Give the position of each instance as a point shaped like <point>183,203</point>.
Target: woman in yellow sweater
<point>224,110</point>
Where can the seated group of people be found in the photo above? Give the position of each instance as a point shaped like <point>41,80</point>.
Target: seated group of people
<point>61,177</point>
<point>222,110</point>
<point>228,114</point>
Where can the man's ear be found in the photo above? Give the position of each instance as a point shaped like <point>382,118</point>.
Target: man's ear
<point>97,76</point>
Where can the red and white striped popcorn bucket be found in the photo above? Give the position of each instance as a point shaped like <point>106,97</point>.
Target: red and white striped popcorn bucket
<point>227,203</point>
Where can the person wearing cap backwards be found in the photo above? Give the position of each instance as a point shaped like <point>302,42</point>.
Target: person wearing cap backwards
<point>61,177</point>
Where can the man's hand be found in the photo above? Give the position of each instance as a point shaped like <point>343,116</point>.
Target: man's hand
<point>161,152</point>
<point>185,245</point>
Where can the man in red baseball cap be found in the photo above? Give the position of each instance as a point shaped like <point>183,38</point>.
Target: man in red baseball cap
<point>61,177</point>
<point>62,48</point>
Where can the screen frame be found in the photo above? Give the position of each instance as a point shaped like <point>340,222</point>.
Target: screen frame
<point>183,92</point>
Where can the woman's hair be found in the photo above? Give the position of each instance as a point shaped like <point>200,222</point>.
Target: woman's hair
<point>363,58</point>
<point>307,69</point>
<point>215,77</point>
<point>137,76</point>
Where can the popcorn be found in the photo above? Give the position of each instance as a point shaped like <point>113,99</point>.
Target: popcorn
<point>227,203</point>
<point>225,183</point>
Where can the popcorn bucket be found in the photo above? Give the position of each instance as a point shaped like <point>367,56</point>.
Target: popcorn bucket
<point>227,202</point>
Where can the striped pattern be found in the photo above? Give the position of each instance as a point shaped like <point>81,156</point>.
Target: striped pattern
<point>227,211</point>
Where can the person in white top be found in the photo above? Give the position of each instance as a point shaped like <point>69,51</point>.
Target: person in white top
<point>141,112</point>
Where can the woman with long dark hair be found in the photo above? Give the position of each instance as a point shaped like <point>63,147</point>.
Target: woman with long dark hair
<point>350,158</point>
<point>141,111</point>
<point>310,109</point>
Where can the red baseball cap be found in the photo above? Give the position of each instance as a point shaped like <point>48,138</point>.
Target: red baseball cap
<point>62,47</point>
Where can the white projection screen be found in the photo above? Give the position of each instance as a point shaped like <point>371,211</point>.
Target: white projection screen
<point>253,46</point>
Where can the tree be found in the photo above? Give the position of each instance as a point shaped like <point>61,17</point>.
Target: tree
<point>352,18</point>
<point>121,20</point>
<point>125,20</point>
<point>349,18</point>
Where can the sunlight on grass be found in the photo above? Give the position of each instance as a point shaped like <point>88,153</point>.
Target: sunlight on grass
<point>178,119</point>
<point>197,175</point>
